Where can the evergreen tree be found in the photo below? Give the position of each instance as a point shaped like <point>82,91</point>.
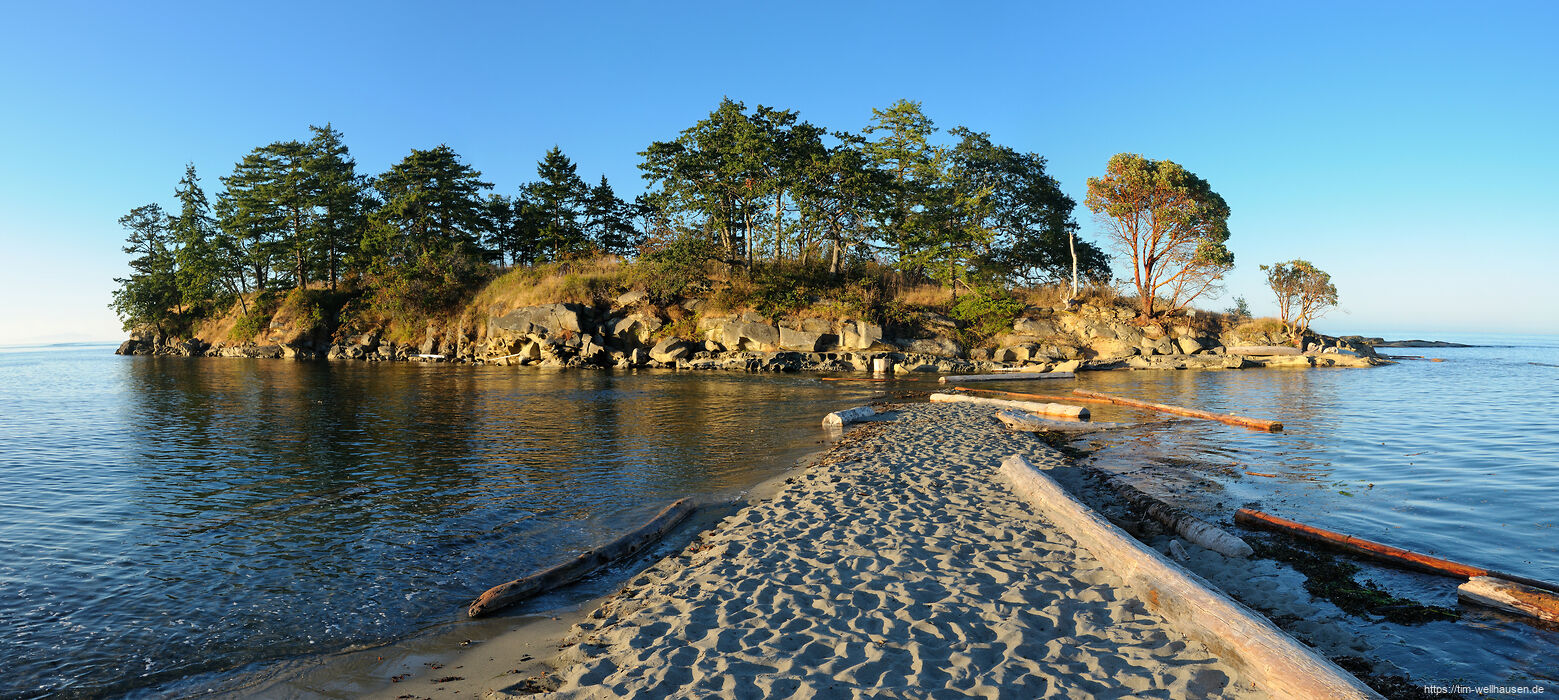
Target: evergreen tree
<point>339,202</point>
<point>425,241</point>
<point>560,194</point>
<point>902,148</point>
<point>151,293</point>
<point>608,221</point>
<point>198,253</point>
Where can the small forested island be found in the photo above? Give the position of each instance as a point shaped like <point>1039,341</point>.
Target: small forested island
<point>763,242</point>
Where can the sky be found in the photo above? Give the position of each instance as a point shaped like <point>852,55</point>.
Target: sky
<point>1408,148</point>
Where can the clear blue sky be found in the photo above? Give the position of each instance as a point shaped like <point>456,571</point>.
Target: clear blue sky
<point>1408,148</point>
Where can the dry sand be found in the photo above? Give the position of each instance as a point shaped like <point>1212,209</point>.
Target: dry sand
<point>899,566</point>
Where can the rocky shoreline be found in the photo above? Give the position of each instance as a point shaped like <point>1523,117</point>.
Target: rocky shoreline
<point>632,333</point>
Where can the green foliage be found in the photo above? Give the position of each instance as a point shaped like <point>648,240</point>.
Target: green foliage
<point>676,269</point>
<point>1240,309</point>
<point>150,295</point>
<point>1304,292</point>
<point>256,318</point>
<point>989,311</point>
<point>1169,223</point>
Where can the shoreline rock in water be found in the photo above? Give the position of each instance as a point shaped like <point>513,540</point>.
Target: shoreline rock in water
<point>899,565</point>
<point>631,334</point>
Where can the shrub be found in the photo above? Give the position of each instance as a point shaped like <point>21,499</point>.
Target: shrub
<point>677,269</point>
<point>988,311</point>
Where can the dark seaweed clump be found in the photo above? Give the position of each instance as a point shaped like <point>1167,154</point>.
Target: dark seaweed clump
<point>1333,579</point>
<point>1392,686</point>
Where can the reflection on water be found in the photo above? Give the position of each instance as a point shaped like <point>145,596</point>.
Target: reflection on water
<point>1459,459</point>
<point>165,516</point>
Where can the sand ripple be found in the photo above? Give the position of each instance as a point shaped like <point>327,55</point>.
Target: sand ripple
<point>900,566</point>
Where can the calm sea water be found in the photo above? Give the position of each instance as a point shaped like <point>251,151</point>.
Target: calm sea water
<point>165,517</point>
<point>161,517</point>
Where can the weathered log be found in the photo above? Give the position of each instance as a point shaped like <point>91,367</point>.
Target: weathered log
<point>1008,377</point>
<point>1042,397</point>
<point>1262,350</point>
<point>882,365</point>
<point>1053,410</point>
<point>850,379</point>
<point>838,419</point>
<point>507,594</point>
<point>1194,529</point>
<point>1259,424</point>
<point>1511,597</point>
<point>1261,652</point>
<point>1382,552</point>
<point>1017,420</point>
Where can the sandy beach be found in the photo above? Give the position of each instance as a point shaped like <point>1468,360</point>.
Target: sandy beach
<point>897,566</point>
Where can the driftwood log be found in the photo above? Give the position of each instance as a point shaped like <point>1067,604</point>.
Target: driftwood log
<point>1383,552</point>
<point>1262,652</point>
<point>1006,377</point>
<point>1017,420</point>
<point>1511,597</point>
<point>1052,410</point>
<point>838,419</point>
<point>1262,350</point>
<point>1194,529</point>
<point>1257,423</point>
<point>507,594</point>
<point>1040,397</point>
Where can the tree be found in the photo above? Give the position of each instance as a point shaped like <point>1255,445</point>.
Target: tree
<point>707,179</point>
<point>1169,222</point>
<point>840,196</point>
<point>339,204</point>
<point>1032,236</point>
<point>903,150</point>
<point>608,221</point>
<point>424,242</point>
<point>150,293</point>
<point>1304,292</point>
<point>560,196</point>
<point>198,253</point>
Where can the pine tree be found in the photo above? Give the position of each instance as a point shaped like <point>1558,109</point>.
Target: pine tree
<point>560,195</point>
<point>609,221</point>
<point>198,253</point>
<point>151,292</point>
<point>339,202</point>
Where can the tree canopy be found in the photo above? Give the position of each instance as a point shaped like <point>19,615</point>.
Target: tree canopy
<point>1304,292</point>
<point>1168,222</point>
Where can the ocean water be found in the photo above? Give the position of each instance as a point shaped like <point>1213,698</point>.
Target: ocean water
<point>169,518</point>
<point>165,517</point>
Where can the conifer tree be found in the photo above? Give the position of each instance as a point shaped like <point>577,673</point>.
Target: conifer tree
<point>339,202</point>
<point>151,293</point>
<point>198,252</point>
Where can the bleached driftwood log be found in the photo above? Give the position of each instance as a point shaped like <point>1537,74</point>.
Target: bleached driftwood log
<point>1511,597</point>
<point>1264,655</point>
<point>1194,529</point>
<point>1007,377</point>
<point>503,595</point>
<point>1053,410</point>
<point>838,419</point>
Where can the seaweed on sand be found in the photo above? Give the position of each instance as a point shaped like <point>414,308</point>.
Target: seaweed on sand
<point>1331,578</point>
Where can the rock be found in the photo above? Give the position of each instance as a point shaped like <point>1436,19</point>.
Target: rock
<point>860,335</point>
<point>1189,345</point>
<point>800,340</point>
<point>1034,326</point>
<point>1068,366</point>
<point>816,325</point>
<point>940,347</point>
<point>629,298</point>
<point>1013,353</point>
<point>746,335</point>
<point>634,329</point>
<point>1111,347</point>
<point>544,320</point>
<point>934,319</point>
<point>671,350</point>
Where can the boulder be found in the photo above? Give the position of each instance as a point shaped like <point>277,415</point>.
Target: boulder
<point>940,347</point>
<point>860,335</point>
<point>544,320</point>
<point>1189,345</point>
<point>1034,326</point>
<point>1111,347</point>
<point>816,325</point>
<point>746,335</point>
<point>1068,366</point>
<point>671,350</point>
<point>791,339</point>
<point>1013,353</point>
<point>629,298</point>
<point>634,329</point>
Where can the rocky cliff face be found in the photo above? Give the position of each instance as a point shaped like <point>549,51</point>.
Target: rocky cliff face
<point>629,332</point>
